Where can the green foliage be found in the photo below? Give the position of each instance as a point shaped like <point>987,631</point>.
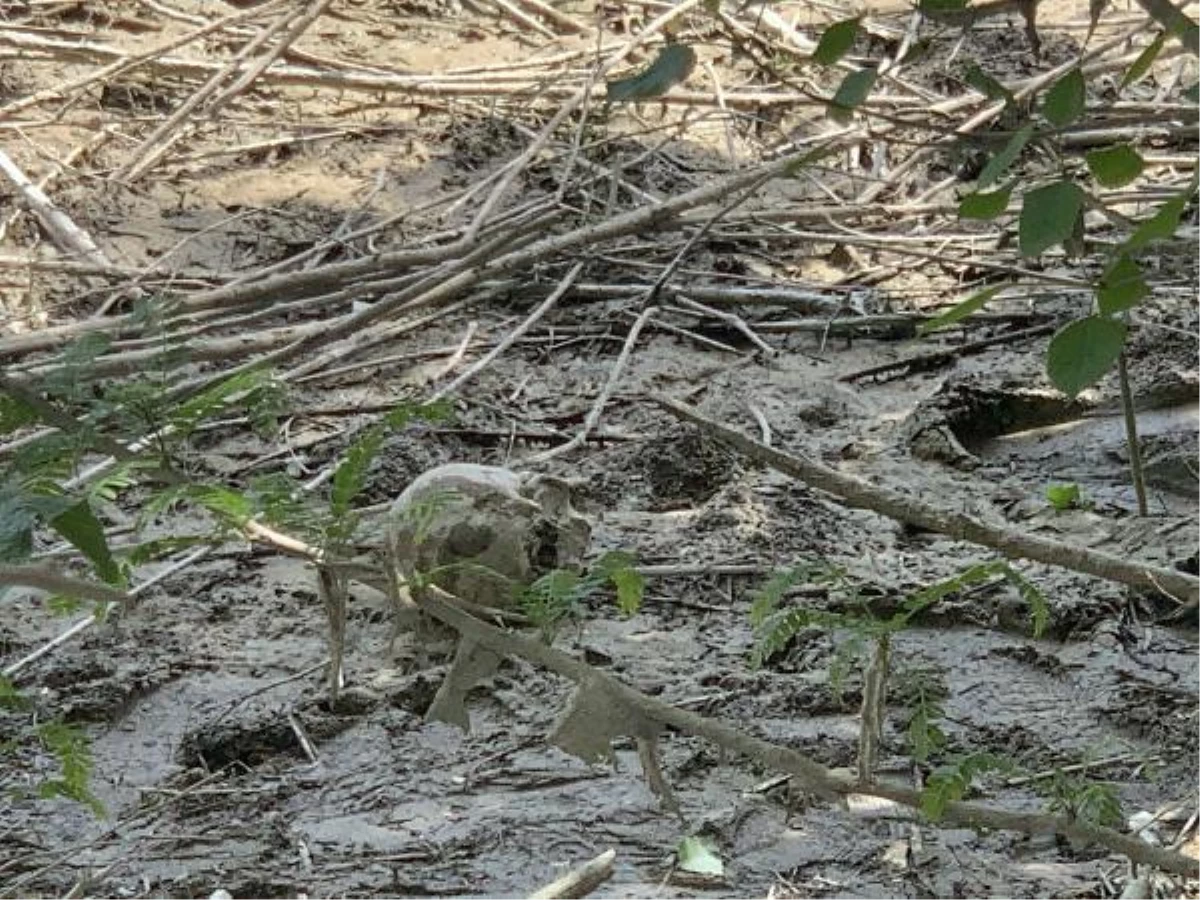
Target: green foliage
<point>1115,166</point>
<point>15,413</point>
<point>1066,99</point>
<point>1145,60</point>
<point>23,504</point>
<point>986,84</point>
<point>984,205</point>
<point>79,525</point>
<point>1083,351</point>
<point>850,94</point>
<point>256,390</point>
<point>923,732</point>
<point>672,66</point>
<point>350,476</point>
<point>556,597</point>
<point>970,306</point>
<point>836,41</point>
<point>1121,286</point>
<point>1086,801</point>
<point>1039,609</point>
<point>1049,216</point>
<point>1063,497</point>
<point>72,380</point>
<point>949,783</point>
<point>74,754</point>
<point>1000,163</point>
<point>1162,225</point>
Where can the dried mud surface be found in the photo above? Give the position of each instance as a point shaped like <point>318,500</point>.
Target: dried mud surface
<point>194,699</point>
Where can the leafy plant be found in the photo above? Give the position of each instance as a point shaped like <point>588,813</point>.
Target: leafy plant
<point>73,751</point>
<point>1093,802</point>
<point>1063,497</point>
<point>556,597</point>
<point>951,782</point>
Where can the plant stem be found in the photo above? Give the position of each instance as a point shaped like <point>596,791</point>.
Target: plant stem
<point>1131,437</point>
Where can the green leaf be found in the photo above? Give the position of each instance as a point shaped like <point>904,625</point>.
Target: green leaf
<point>697,856</point>
<point>74,753</point>
<point>1048,217</point>
<point>986,84</point>
<point>837,39</point>
<point>999,163</point>
<point>212,400</point>
<point>1066,99</point>
<point>971,305</point>
<point>631,586</point>
<point>1161,226</point>
<point>1082,352</point>
<point>1063,496</point>
<point>1115,166</point>
<point>229,504</point>
<point>1121,287</point>
<point>850,93</point>
<point>1192,94</point>
<point>673,65</point>
<point>1142,64</point>
<point>350,476</point>
<point>984,206</point>
<point>80,527</point>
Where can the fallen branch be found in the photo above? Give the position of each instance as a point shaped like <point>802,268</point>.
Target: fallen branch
<point>581,881</point>
<point>1014,544</point>
<point>810,774</point>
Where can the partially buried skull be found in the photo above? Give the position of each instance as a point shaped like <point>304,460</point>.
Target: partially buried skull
<point>484,533</point>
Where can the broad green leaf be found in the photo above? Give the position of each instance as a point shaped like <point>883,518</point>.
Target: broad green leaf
<point>1115,166</point>
<point>1161,226</point>
<point>971,305</point>
<point>1121,286</point>
<point>836,41</point>
<point>984,206</point>
<point>1142,64</point>
<point>1081,353</point>
<point>986,84</point>
<point>697,856</point>
<point>1066,99</point>
<point>1048,216</point>
<point>672,66</point>
<point>999,163</point>
<point>82,529</point>
<point>850,93</point>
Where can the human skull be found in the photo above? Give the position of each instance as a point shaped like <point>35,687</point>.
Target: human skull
<point>484,533</point>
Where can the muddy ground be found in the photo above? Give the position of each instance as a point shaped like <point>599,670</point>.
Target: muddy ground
<point>195,699</point>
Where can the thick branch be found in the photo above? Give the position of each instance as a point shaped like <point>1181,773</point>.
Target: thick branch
<point>860,494</point>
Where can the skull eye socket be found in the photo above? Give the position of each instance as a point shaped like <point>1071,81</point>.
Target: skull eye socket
<point>543,555</point>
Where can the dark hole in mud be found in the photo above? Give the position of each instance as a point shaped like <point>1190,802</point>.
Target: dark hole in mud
<point>685,469</point>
